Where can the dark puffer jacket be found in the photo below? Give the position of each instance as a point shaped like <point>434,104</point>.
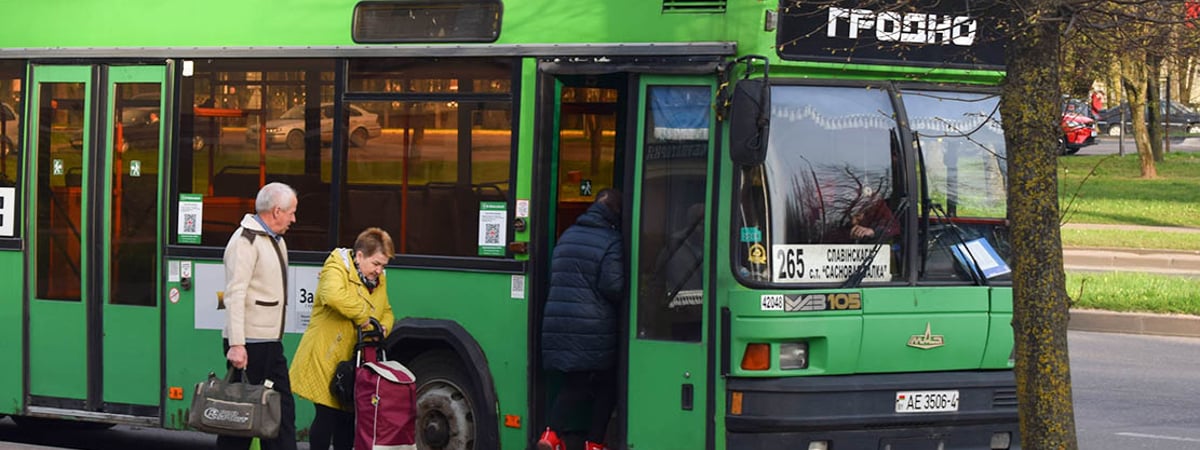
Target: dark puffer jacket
<point>579,329</point>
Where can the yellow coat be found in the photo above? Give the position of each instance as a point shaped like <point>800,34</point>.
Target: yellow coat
<point>341,302</point>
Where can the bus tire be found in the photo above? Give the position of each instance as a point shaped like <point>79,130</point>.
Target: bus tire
<point>447,406</point>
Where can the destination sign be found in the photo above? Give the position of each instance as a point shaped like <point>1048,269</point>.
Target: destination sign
<point>924,33</point>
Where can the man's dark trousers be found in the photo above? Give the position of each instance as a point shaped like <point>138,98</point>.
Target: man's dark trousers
<point>265,360</point>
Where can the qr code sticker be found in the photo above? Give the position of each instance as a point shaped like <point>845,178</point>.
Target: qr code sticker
<point>492,234</point>
<point>189,223</point>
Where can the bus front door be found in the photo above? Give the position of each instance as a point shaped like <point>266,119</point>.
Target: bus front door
<point>667,369</point>
<point>94,310</point>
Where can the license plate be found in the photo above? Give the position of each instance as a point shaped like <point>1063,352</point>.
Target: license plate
<point>926,401</point>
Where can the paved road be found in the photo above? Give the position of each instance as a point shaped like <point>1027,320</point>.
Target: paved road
<point>1135,392</point>
<point>1131,392</point>
<point>1111,145</point>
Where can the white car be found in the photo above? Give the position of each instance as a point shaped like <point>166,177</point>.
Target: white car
<point>289,127</point>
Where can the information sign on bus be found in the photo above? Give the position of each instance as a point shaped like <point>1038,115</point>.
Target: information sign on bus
<point>924,33</point>
<point>829,263</point>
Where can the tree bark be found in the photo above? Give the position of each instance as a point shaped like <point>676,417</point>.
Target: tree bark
<point>1040,302</point>
<point>1133,78</point>
<point>1154,107</point>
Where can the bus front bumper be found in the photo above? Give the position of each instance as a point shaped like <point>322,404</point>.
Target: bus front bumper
<point>860,412</point>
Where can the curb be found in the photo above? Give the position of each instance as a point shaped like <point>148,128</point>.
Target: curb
<point>1092,259</point>
<point>1163,262</point>
<point>1134,323</point>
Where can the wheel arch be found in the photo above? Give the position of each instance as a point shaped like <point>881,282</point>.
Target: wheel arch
<point>410,337</point>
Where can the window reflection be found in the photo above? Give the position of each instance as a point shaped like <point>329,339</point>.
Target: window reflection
<point>828,197</point>
<point>670,290</point>
<point>233,153</point>
<point>134,193</point>
<point>11,76</point>
<point>962,150</point>
<point>431,140</point>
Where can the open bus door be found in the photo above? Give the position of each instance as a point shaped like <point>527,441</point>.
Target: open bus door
<point>667,370</point>
<point>94,313</point>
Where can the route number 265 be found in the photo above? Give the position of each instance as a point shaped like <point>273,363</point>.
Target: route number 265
<point>790,263</point>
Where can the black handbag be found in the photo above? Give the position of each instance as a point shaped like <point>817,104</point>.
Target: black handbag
<point>228,408</point>
<point>342,383</point>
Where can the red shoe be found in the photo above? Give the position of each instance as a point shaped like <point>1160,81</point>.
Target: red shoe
<point>549,441</point>
<point>589,445</point>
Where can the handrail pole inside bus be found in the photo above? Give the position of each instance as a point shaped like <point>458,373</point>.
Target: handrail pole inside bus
<point>118,184</point>
<point>407,143</point>
<point>262,149</point>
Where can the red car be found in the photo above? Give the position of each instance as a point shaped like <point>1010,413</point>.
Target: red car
<point>1078,126</point>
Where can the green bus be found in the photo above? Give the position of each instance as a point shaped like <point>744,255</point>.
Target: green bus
<point>815,233</point>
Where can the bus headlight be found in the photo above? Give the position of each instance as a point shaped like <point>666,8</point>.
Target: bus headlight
<point>793,355</point>
<point>818,445</point>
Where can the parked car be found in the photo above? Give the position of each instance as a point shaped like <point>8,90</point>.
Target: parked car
<point>140,124</point>
<point>289,127</point>
<point>1182,119</point>
<point>140,127</point>
<point>1078,126</point>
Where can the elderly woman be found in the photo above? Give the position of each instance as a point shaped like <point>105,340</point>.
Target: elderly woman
<point>351,291</point>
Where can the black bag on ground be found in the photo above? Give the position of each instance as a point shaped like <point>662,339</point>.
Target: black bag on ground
<point>342,383</point>
<point>221,406</point>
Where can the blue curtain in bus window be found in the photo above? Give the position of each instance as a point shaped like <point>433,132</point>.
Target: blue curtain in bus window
<point>680,113</point>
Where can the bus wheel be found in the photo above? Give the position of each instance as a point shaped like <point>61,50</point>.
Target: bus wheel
<point>445,403</point>
<point>359,137</point>
<point>295,140</point>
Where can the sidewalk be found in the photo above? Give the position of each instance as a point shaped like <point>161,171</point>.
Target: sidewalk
<point>1167,262</point>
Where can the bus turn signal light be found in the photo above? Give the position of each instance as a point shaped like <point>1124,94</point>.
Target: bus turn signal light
<point>757,357</point>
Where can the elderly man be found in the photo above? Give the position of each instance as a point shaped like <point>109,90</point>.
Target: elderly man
<point>256,304</point>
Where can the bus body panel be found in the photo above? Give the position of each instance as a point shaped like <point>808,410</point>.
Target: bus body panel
<point>228,23</point>
<point>12,312</point>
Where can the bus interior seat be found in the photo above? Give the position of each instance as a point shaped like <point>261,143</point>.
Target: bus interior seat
<point>370,206</point>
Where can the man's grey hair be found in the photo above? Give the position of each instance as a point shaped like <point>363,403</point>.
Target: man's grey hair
<point>273,195</point>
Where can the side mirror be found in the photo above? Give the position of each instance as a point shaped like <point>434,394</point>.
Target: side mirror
<point>749,122</point>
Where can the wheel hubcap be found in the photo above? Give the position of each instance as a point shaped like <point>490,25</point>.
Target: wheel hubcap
<point>446,420</point>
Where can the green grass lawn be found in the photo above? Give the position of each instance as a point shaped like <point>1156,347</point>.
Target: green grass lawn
<point>1110,190</point>
<point>1134,292</point>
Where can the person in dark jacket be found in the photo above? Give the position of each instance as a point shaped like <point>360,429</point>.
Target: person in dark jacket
<point>579,327</point>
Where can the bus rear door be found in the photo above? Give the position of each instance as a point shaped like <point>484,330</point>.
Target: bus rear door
<point>667,370</point>
<point>94,327</point>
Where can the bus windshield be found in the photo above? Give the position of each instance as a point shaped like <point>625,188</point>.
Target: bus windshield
<point>829,202</point>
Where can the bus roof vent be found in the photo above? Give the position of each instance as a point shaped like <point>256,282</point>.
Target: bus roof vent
<point>693,6</point>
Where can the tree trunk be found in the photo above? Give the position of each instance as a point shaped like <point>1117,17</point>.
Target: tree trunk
<point>1040,302</point>
<point>1183,72</point>
<point>1133,78</point>
<point>1154,107</point>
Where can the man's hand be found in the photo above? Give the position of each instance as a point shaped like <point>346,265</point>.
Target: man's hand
<point>859,232</point>
<point>237,356</point>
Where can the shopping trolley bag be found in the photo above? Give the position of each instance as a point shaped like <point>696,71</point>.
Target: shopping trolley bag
<point>385,404</point>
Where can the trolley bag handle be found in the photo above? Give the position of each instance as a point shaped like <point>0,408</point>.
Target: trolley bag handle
<point>371,337</point>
